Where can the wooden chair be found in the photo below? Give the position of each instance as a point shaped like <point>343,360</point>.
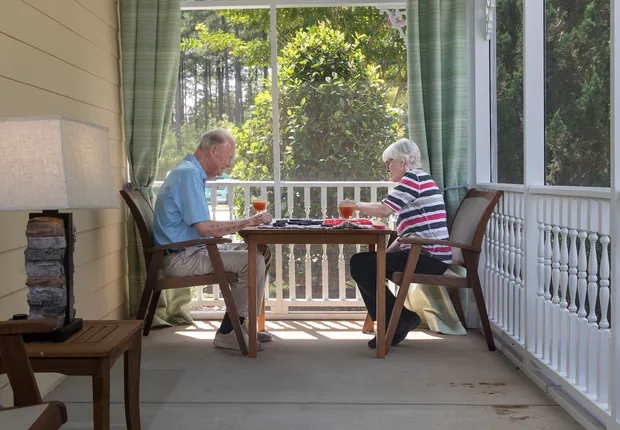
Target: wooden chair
<point>29,412</point>
<point>142,212</point>
<point>465,239</point>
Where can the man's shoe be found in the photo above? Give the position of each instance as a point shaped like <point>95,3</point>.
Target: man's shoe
<point>263,336</point>
<point>229,341</point>
<point>411,322</point>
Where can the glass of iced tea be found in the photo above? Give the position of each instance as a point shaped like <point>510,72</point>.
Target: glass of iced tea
<point>259,204</point>
<point>346,208</point>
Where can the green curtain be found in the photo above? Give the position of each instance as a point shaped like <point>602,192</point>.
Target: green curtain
<point>150,40</point>
<point>437,83</point>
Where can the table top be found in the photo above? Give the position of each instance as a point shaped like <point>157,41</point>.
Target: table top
<point>96,339</point>
<point>314,235</point>
<point>316,231</point>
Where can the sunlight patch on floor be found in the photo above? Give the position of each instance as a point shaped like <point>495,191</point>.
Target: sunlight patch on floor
<point>292,335</point>
<point>344,335</point>
<point>201,335</point>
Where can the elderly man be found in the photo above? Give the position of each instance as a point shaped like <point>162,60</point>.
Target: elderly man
<point>182,213</point>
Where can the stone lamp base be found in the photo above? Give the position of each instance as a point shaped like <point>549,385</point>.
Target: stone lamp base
<point>49,267</point>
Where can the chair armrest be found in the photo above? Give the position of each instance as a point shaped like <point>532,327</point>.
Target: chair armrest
<point>175,245</point>
<point>27,326</point>
<point>424,241</point>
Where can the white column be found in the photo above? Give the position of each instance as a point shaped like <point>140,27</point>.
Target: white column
<point>275,112</point>
<point>480,78</point>
<point>534,147</point>
<point>614,367</point>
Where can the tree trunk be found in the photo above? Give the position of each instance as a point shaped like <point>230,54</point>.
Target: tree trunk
<point>196,94</point>
<point>207,91</point>
<point>220,90</point>
<point>227,82</point>
<point>265,69</point>
<point>238,95</point>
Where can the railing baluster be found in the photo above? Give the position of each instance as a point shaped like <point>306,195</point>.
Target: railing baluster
<point>512,306</point>
<point>290,206</point>
<point>540,299</point>
<point>547,307</point>
<point>605,332</point>
<point>592,318</point>
<point>555,294</point>
<point>496,269</point>
<point>520,322</point>
<point>563,302</point>
<point>501,266</point>
<point>308,260</point>
<point>246,200</point>
<point>487,270</point>
<point>582,286</point>
<point>572,307</point>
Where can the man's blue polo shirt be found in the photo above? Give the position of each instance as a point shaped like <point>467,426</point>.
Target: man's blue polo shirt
<point>181,203</point>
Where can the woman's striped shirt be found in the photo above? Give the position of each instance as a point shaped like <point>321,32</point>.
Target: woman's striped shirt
<point>421,211</point>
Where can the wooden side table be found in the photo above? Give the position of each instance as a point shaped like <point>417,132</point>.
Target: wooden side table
<point>92,352</point>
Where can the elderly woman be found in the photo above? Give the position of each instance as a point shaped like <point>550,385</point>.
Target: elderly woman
<point>419,206</point>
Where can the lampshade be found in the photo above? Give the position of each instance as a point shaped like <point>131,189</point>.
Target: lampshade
<point>54,163</point>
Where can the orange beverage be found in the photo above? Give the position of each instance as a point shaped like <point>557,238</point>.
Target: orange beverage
<point>259,205</point>
<point>346,210</point>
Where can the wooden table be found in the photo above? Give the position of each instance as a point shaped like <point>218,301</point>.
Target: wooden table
<point>312,236</point>
<point>93,351</point>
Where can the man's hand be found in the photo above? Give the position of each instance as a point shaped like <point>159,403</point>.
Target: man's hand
<point>264,218</point>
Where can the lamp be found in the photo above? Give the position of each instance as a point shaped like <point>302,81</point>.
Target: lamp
<point>49,164</point>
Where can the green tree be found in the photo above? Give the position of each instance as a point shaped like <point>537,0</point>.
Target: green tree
<point>335,120</point>
<point>577,111</point>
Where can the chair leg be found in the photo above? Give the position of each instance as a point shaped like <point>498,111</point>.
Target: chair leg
<point>369,325</point>
<point>149,285</point>
<point>458,306</point>
<point>151,312</point>
<point>471,263</point>
<point>261,317</point>
<point>231,307</point>
<point>403,290</point>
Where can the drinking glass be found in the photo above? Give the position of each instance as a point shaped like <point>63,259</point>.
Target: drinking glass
<point>346,209</point>
<point>259,204</point>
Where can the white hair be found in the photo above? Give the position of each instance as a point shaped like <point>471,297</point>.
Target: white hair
<point>217,136</point>
<point>404,150</point>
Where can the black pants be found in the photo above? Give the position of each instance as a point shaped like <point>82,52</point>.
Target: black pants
<point>364,272</point>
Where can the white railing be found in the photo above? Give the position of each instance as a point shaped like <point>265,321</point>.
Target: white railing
<point>570,309</point>
<point>310,279</point>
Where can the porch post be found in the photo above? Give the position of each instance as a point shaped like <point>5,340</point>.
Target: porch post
<point>277,194</point>
<point>534,151</point>
<point>478,69</point>
<point>614,377</point>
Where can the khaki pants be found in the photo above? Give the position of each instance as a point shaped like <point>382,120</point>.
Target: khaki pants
<point>194,261</point>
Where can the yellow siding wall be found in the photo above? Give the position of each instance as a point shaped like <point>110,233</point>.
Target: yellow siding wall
<point>60,57</point>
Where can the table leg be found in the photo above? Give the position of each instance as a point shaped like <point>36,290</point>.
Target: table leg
<point>252,298</point>
<point>132,383</point>
<point>369,325</point>
<point>101,396</point>
<point>381,296</point>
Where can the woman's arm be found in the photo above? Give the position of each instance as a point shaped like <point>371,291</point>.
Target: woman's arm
<point>374,209</point>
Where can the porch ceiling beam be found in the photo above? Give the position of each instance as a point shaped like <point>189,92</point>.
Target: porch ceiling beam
<point>265,4</point>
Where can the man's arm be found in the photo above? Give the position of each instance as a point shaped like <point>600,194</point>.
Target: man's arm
<point>374,209</point>
<point>222,228</point>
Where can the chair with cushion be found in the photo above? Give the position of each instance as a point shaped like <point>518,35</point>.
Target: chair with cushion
<point>29,411</point>
<point>466,237</point>
<point>142,212</point>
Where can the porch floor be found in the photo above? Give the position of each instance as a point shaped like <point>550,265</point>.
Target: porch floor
<point>321,375</point>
